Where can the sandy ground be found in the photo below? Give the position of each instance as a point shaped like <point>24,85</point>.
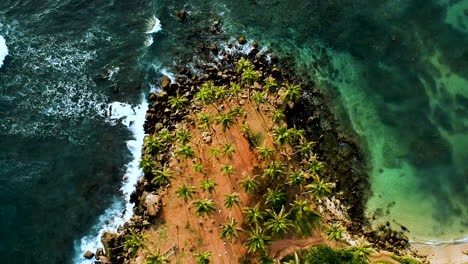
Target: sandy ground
<point>447,254</point>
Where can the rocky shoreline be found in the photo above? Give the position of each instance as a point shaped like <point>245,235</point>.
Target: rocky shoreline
<point>344,165</point>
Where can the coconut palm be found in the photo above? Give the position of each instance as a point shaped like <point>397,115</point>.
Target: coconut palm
<point>275,198</point>
<point>257,241</point>
<point>206,94</point>
<point>274,170</point>
<point>229,230</point>
<point>238,111</point>
<point>278,116</point>
<point>185,192</point>
<point>227,169</point>
<point>203,257</point>
<point>226,120</point>
<point>305,219</point>
<point>293,261</point>
<point>178,102</point>
<point>249,76</point>
<point>296,177</point>
<point>186,151</point>
<point>242,64</point>
<point>249,184</point>
<point>253,215</point>
<point>278,223</point>
<point>231,199</point>
<point>270,85</point>
<point>147,164</point>
<point>197,167</point>
<point>228,149</point>
<point>281,135</point>
<point>266,260</point>
<point>334,232</point>
<point>157,259</point>
<point>259,97</point>
<point>214,152</point>
<point>362,249</point>
<point>220,93</point>
<point>319,187</point>
<point>161,177</point>
<point>235,89</point>
<point>305,148</point>
<point>183,136</point>
<point>205,121</point>
<point>133,242</point>
<point>153,145</point>
<point>208,185</point>
<point>314,165</point>
<point>204,206</point>
<point>165,135</point>
<point>292,93</point>
<point>245,129</point>
<point>296,134</point>
<point>265,152</point>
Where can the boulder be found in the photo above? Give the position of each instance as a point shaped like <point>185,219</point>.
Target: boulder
<point>242,40</point>
<point>152,97</point>
<point>166,82</point>
<point>214,48</point>
<point>152,202</point>
<point>88,255</point>
<point>182,15</point>
<point>99,252</point>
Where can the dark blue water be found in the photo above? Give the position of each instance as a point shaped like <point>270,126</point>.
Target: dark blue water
<point>395,72</point>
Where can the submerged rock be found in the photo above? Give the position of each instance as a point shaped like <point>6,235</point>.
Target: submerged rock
<point>182,15</point>
<point>242,40</point>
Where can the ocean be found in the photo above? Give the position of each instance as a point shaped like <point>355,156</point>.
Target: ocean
<point>395,73</point>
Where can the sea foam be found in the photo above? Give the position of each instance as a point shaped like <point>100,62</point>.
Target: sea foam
<point>156,26</point>
<point>121,210</point>
<point>3,50</point>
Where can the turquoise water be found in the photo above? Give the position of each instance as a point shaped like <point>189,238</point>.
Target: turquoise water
<point>395,72</point>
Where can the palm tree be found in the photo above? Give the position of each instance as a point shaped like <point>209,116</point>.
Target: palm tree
<point>165,135</point>
<point>305,148</point>
<point>278,223</point>
<point>133,242</point>
<point>266,260</point>
<point>334,232</point>
<point>204,206</point>
<point>227,169</point>
<point>270,85</point>
<point>231,199</point>
<point>259,97</point>
<point>362,249</point>
<point>245,129</point>
<point>249,76</point>
<point>257,241</point>
<point>292,93</point>
<point>153,145</point>
<point>265,152</point>
<point>185,192</point>
<point>206,94</point>
<point>183,136</point>
<point>314,165</point>
<point>235,89</point>
<point>296,134</point>
<point>274,170</point>
<point>305,219</point>
<point>253,215</point>
<point>178,102</point>
<point>278,116</point>
<point>203,257</point>
<point>249,184</point>
<point>238,111</point>
<point>319,187</point>
<point>186,151</point>
<point>157,259</point>
<point>229,230</point>
<point>296,177</point>
<point>205,120</point>
<point>147,164</point>
<point>214,152</point>
<point>281,135</point>
<point>225,120</point>
<point>208,185</point>
<point>275,198</point>
<point>161,177</point>
<point>228,149</point>
<point>197,167</point>
<point>294,261</point>
<point>220,93</point>
<point>242,64</point>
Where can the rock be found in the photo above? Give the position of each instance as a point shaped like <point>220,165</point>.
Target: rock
<point>202,45</point>
<point>99,252</point>
<point>152,97</point>
<point>206,136</point>
<point>274,59</point>
<point>152,204</point>
<point>242,40</point>
<point>104,260</point>
<point>255,44</point>
<point>182,15</point>
<point>162,95</point>
<point>276,72</point>
<point>214,48</point>
<point>88,255</point>
<point>166,82</point>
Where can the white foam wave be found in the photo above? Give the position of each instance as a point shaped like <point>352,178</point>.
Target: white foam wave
<point>3,50</point>
<point>122,210</point>
<point>156,26</point>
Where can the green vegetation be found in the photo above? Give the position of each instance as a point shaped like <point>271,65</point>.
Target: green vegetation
<point>334,232</point>
<point>147,164</point>
<point>327,255</point>
<point>214,152</point>
<point>185,192</point>
<point>227,169</point>
<point>265,152</point>
<point>274,170</point>
<point>178,103</point>
<point>228,150</point>
<point>406,260</point>
<point>278,116</point>
<point>278,223</point>
<point>208,185</point>
<point>281,135</point>
<point>249,184</point>
<point>157,259</point>
<point>197,167</point>
<point>292,93</point>
<point>275,198</point>
<point>153,145</point>
<point>203,257</point>
<point>362,249</point>
<point>305,219</point>
<point>204,206</point>
<point>205,121</point>
<point>226,120</point>
<point>320,188</point>
<point>230,230</point>
<point>270,85</point>
<point>253,215</point>
<point>133,243</point>
<point>161,177</point>
<point>242,64</point>
<point>231,199</point>
<point>185,151</point>
<point>182,136</point>
<point>206,93</point>
<point>249,76</point>
<point>296,177</point>
<point>257,241</point>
